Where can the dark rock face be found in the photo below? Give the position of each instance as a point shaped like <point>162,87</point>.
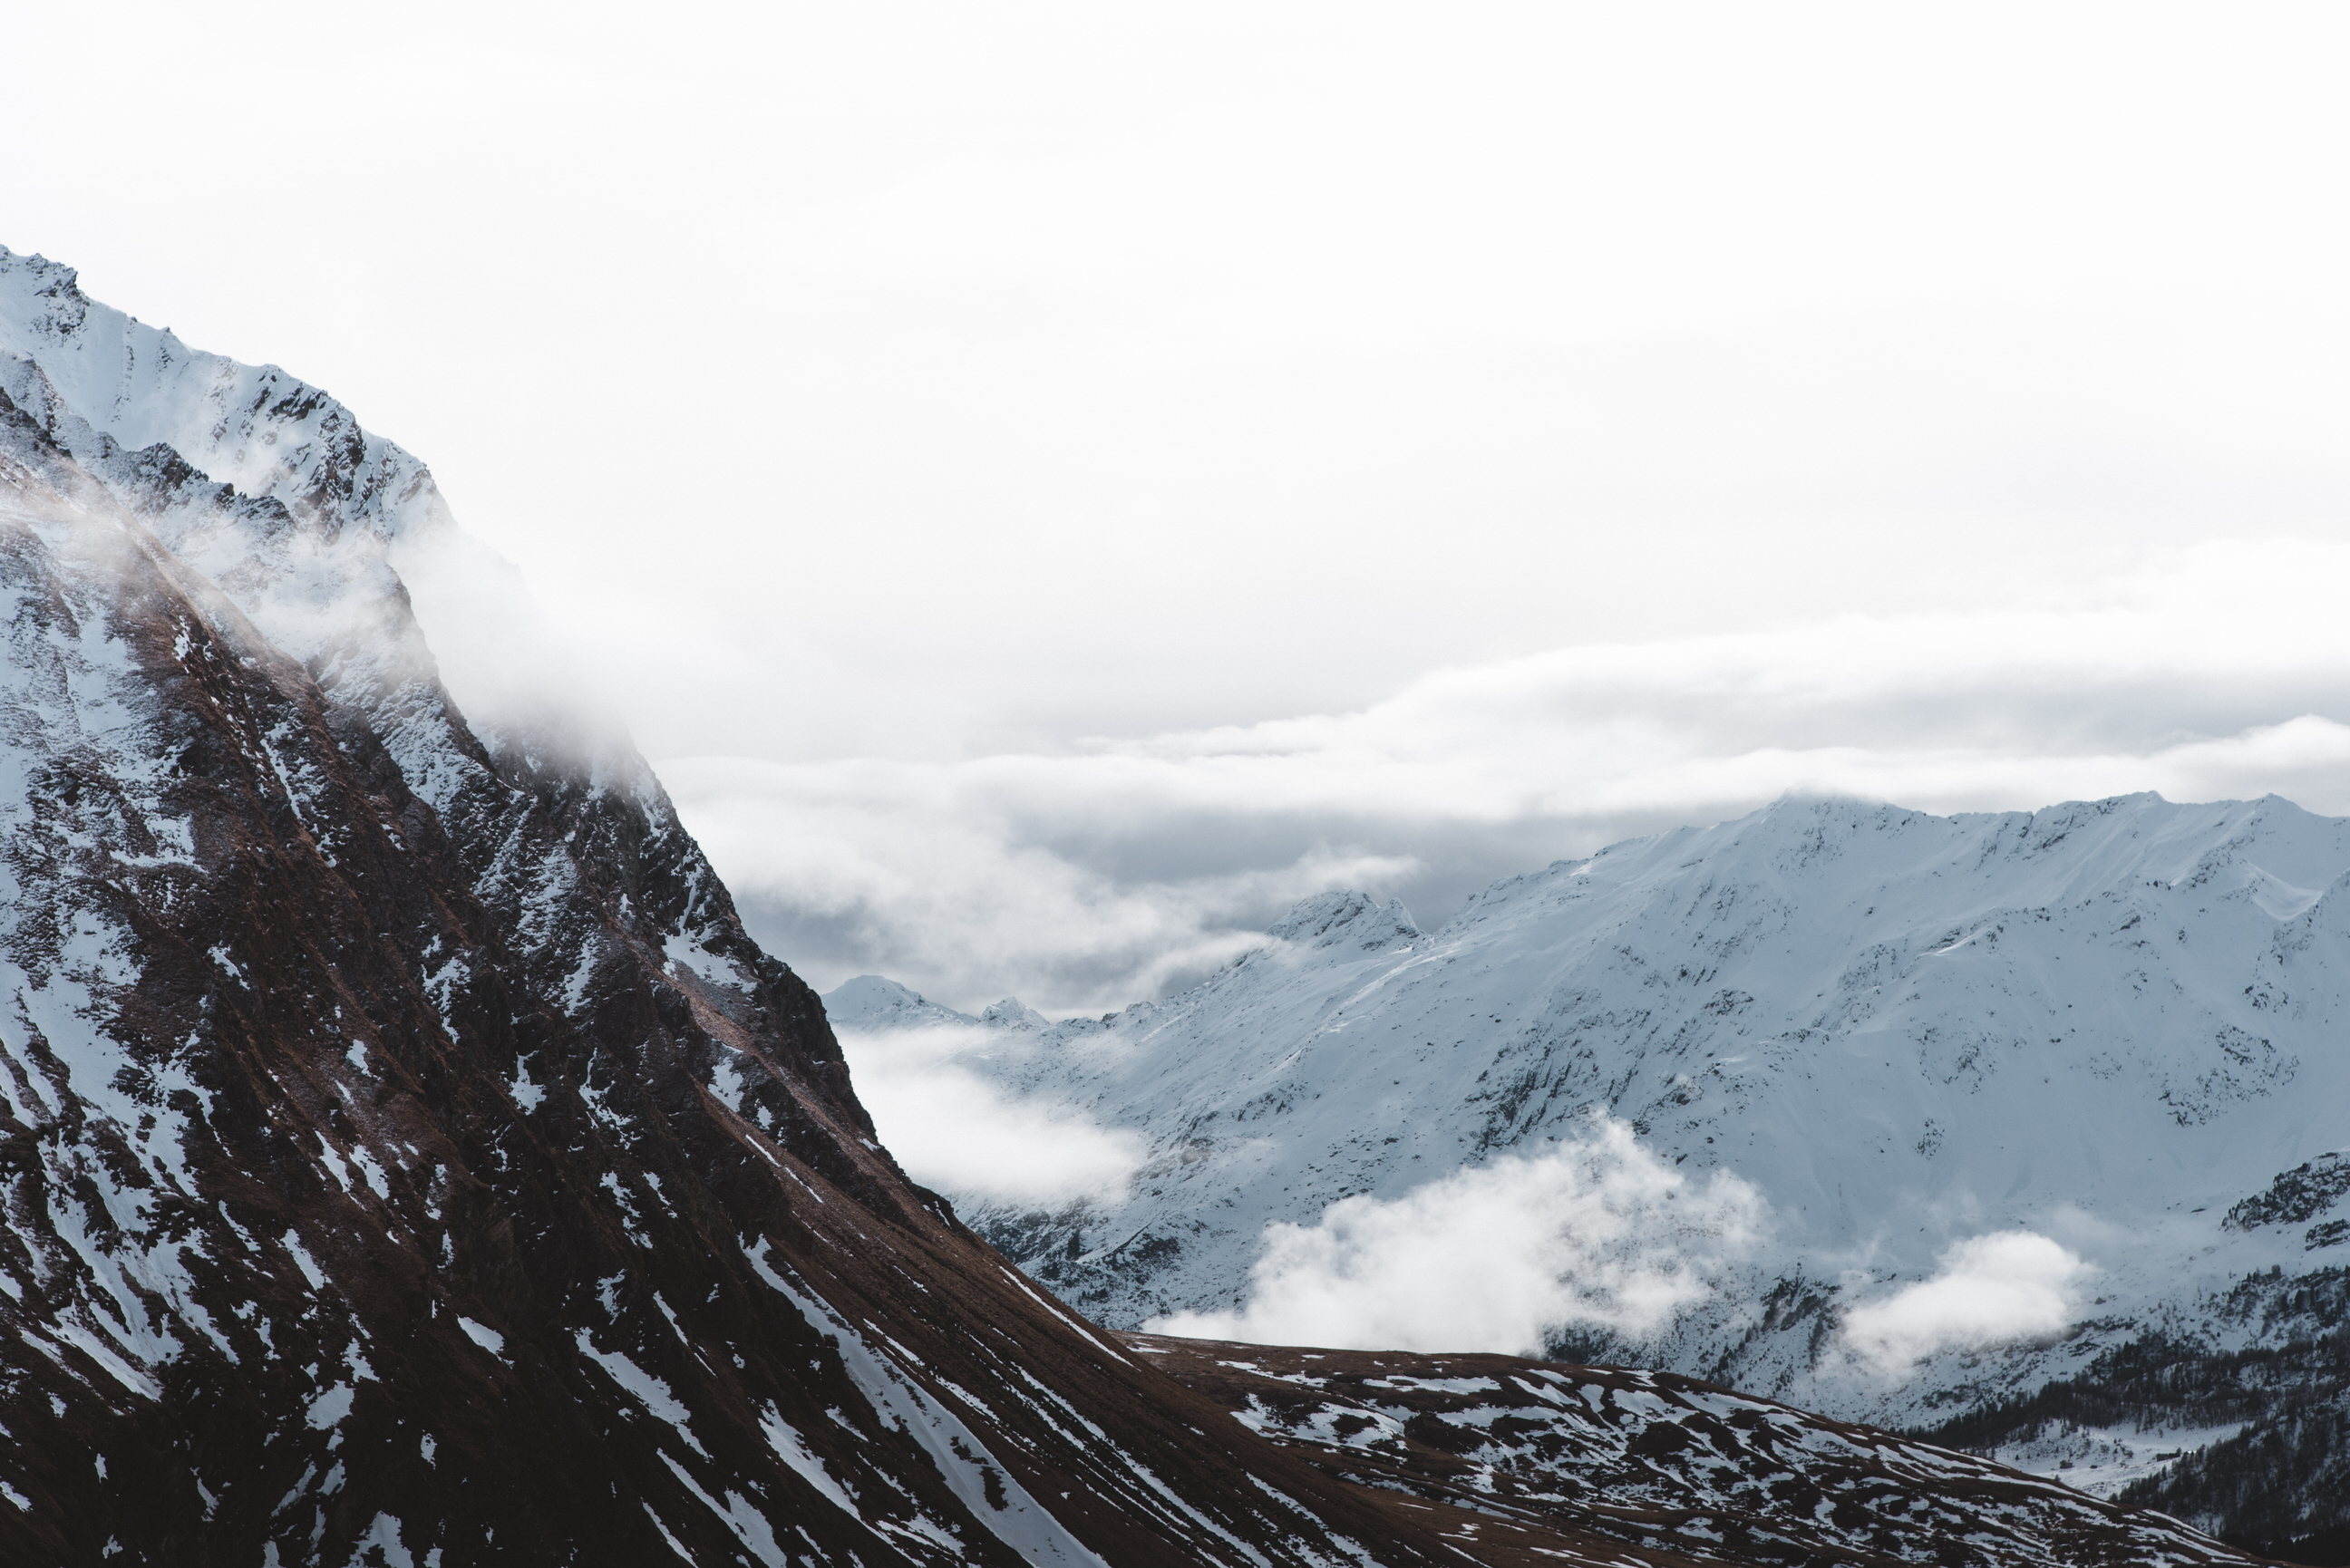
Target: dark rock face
<point>2301,1194</point>
<point>1516,1451</point>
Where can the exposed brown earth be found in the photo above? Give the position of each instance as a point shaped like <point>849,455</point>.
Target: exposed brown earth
<point>1505,1449</point>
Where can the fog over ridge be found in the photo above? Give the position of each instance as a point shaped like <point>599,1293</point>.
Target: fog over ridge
<point>1119,869</point>
<point>967,386</point>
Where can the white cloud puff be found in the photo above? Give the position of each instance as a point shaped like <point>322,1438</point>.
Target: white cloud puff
<point>2000,1289</point>
<point>1598,1234</point>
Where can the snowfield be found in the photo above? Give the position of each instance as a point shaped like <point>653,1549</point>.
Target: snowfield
<point>1997,1083</point>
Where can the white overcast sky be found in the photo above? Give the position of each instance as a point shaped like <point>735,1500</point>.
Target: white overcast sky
<point>1051,484</point>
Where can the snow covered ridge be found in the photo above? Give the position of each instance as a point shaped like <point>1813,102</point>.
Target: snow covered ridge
<point>270,489</point>
<point>2007,1087</point>
<point>255,430</point>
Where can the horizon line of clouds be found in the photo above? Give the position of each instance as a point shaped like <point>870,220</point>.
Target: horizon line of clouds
<point>978,902</point>
<point>1111,873</point>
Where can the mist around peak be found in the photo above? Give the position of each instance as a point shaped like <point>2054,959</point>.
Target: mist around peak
<point>1090,875</point>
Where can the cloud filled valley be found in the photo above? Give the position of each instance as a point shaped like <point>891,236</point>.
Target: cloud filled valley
<point>954,1130</point>
<point>1887,1113</point>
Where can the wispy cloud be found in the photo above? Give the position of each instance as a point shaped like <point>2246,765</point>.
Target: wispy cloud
<point>2011,1286</point>
<point>1034,876</point>
<point>1598,1234</point>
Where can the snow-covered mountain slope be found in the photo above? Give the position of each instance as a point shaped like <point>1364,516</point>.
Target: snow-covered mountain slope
<point>409,1158</point>
<point>2104,1025</point>
<point>267,485</point>
<point>272,490</point>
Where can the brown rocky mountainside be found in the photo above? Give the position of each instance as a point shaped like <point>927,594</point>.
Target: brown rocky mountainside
<point>409,1159</point>
<point>341,1229</point>
<point>1513,1450</point>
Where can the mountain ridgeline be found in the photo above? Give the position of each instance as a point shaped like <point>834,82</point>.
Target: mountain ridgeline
<point>2118,1028</point>
<point>410,1161</point>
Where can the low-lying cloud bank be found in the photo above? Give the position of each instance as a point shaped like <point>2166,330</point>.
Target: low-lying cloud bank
<point>952,1129</point>
<point>1599,1234</point>
<point>1100,875</point>
<point>2002,1289</point>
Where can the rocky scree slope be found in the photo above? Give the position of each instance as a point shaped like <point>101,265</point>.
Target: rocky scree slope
<point>407,1157</point>
<point>1656,1462</point>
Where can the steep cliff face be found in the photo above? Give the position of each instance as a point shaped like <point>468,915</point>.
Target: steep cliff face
<point>409,1158</point>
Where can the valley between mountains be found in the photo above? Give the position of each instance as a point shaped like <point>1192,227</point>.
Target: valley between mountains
<point>409,1160</point>
<point>1909,1120</point>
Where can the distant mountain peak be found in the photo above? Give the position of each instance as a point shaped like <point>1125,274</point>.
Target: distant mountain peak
<point>873,1002</point>
<point>1013,1013</point>
<point>1344,916</point>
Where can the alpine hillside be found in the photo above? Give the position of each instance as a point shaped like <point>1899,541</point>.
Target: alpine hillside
<point>2115,1031</point>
